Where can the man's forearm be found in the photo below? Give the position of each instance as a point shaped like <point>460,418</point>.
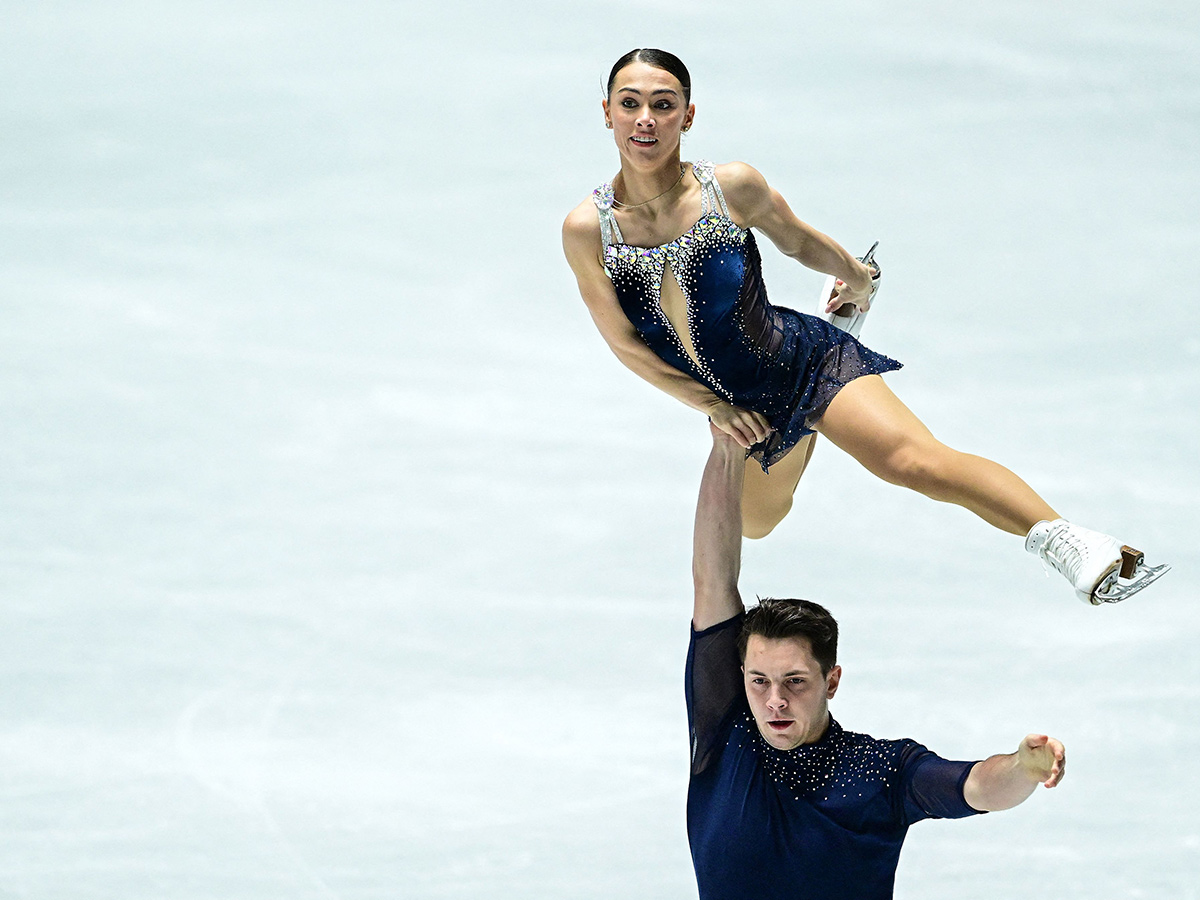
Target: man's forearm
<point>998,782</point>
<point>1006,780</point>
<point>717,539</point>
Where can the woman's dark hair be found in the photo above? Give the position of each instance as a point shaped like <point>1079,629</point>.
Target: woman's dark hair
<point>659,59</point>
<point>774,619</point>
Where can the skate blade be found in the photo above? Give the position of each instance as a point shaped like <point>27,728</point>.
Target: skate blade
<point>1121,586</point>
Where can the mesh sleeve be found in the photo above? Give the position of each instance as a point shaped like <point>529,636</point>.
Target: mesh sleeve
<point>932,787</point>
<point>712,687</point>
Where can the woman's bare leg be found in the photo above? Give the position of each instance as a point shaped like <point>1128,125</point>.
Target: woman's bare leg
<point>870,423</point>
<point>766,499</point>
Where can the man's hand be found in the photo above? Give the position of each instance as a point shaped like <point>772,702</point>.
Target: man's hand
<point>1043,758</point>
<point>1004,781</point>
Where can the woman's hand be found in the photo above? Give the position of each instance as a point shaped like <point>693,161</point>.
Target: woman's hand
<point>745,426</point>
<point>859,295</point>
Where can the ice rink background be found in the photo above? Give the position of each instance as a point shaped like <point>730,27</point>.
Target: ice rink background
<point>342,560</point>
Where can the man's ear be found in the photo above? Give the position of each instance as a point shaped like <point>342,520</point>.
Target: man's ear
<point>832,681</point>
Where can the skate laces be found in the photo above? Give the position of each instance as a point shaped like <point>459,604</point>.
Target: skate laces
<point>1065,550</point>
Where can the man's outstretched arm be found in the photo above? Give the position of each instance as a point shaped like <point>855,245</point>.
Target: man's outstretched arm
<point>717,539</point>
<point>1002,782</point>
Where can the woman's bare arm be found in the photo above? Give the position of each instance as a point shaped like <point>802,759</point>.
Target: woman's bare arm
<point>760,206</point>
<point>581,243</point>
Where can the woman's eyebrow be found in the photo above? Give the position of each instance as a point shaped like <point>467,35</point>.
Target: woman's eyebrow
<point>655,91</point>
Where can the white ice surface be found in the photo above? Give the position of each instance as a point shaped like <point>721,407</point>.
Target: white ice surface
<point>342,560</point>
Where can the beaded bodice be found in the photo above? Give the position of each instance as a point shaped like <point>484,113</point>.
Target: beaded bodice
<point>712,200</point>
<point>732,327</point>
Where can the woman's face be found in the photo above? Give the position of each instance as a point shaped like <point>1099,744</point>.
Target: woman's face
<point>647,112</point>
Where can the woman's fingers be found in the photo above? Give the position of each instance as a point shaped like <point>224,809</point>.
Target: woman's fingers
<point>744,435</point>
<point>832,302</point>
<point>721,419</point>
<point>753,426</point>
<point>745,426</point>
<point>735,432</point>
<point>842,294</point>
<point>759,426</point>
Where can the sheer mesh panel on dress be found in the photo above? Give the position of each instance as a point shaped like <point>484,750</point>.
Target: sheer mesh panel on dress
<point>714,687</point>
<point>761,324</point>
<point>842,364</point>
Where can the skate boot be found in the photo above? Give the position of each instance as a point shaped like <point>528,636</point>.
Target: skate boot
<point>1099,567</point>
<point>852,322</point>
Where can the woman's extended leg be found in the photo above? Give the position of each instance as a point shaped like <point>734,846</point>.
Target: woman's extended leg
<point>766,499</point>
<point>870,423</point>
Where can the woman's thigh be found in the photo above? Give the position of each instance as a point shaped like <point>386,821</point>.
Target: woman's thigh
<point>871,423</point>
<point>766,498</point>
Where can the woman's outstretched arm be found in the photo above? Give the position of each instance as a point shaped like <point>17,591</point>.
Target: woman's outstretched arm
<point>581,243</point>
<point>757,205</point>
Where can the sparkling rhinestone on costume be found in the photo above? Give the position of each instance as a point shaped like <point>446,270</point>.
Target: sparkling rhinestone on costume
<point>784,364</point>
<point>842,764</point>
<point>821,821</point>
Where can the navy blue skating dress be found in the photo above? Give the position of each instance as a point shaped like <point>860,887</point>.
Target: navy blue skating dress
<point>773,360</point>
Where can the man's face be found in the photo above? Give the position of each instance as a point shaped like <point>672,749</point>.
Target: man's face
<point>787,692</point>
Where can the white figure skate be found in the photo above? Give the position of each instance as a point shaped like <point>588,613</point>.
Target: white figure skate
<point>852,321</point>
<point>1099,567</point>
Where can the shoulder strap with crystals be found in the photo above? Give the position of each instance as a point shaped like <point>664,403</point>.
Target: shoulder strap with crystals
<point>712,198</point>
<point>610,232</point>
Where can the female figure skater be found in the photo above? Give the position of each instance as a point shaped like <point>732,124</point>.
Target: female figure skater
<point>667,263</point>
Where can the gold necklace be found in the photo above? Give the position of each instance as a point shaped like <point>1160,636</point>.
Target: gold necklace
<point>617,203</point>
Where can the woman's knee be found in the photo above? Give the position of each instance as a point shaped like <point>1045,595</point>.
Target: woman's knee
<point>925,467</point>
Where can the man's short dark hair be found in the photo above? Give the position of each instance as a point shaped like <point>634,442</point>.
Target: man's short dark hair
<point>774,619</point>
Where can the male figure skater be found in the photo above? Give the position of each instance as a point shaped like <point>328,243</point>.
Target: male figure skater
<point>783,803</point>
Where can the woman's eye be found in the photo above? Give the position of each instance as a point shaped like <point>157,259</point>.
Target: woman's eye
<point>629,104</point>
